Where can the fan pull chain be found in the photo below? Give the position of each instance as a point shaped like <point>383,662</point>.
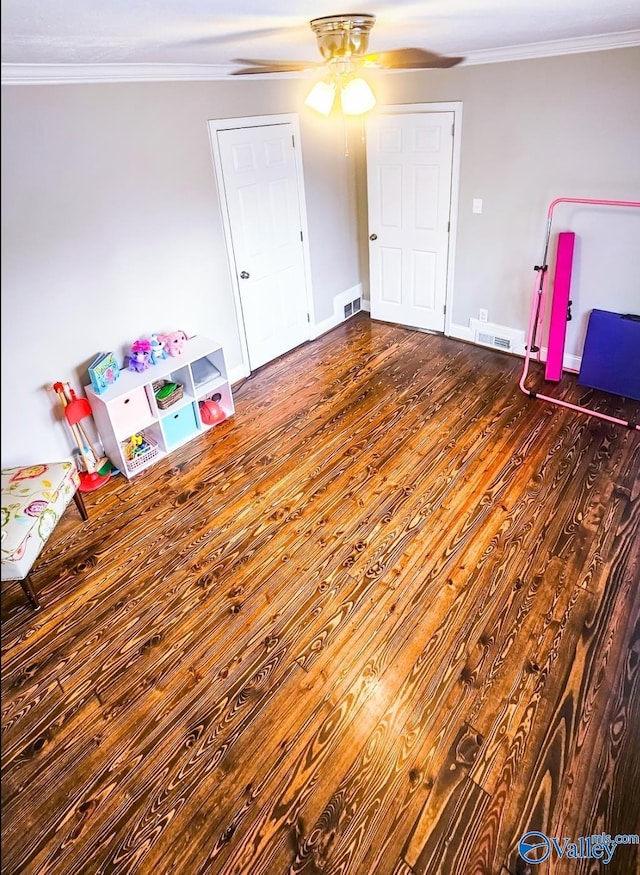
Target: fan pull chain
<point>363,133</point>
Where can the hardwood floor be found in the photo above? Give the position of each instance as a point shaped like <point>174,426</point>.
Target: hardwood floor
<point>384,620</point>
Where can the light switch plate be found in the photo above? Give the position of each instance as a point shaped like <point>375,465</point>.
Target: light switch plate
<point>477,205</point>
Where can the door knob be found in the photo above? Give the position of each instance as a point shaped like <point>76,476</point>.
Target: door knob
<point>244,275</point>
<point>373,236</point>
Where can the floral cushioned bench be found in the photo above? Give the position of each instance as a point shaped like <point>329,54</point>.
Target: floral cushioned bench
<point>33,500</point>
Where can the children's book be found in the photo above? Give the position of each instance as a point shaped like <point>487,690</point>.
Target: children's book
<point>103,371</point>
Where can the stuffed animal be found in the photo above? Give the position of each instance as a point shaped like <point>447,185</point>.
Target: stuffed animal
<point>157,349</point>
<point>173,342</point>
<point>140,356</point>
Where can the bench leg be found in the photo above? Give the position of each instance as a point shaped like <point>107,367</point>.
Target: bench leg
<point>79,500</point>
<point>30,593</point>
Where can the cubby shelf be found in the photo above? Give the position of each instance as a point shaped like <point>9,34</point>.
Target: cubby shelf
<point>128,407</point>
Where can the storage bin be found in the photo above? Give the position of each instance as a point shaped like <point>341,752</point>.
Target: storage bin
<point>130,412</point>
<point>179,426</point>
<point>168,400</point>
<point>143,458</point>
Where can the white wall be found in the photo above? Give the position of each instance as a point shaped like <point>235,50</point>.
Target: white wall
<point>111,229</point>
<point>533,131</point>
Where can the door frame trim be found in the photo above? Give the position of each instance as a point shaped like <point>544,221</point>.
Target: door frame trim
<point>456,108</point>
<point>260,121</point>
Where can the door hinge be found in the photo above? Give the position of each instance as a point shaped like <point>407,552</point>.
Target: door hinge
<point>293,140</point>
<point>301,237</point>
<point>308,318</point>
<point>453,127</point>
<point>448,227</point>
<point>444,309</point>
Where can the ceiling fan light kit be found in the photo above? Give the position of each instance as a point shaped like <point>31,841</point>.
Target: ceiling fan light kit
<point>356,97</point>
<point>322,96</point>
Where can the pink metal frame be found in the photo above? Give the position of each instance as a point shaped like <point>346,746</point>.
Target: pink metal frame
<point>538,309</point>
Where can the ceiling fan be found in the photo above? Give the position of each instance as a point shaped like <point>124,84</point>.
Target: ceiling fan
<point>343,41</point>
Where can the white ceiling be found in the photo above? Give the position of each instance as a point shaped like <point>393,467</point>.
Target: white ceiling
<point>213,33</point>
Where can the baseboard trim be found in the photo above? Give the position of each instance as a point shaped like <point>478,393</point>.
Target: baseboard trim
<point>238,373</point>
<point>324,326</point>
<point>569,362</point>
<point>460,332</point>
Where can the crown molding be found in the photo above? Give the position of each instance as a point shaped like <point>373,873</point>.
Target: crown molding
<point>58,74</point>
<point>602,42</point>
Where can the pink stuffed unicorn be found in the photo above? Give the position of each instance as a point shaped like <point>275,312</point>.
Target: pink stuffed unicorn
<point>173,342</point>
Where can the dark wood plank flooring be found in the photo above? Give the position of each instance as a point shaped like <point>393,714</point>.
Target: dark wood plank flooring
<point>384,620</point>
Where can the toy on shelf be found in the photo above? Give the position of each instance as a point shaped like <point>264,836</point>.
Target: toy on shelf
<point>97,468</point>
<point>138,451</point>
<point>211,412</point>
<point>173,342</point>
<point>140,357</point>
<point>103,371</point>
<point>136,446</point>
<point>157,349</point>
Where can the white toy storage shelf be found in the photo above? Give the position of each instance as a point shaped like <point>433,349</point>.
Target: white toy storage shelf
<point>129,406</point>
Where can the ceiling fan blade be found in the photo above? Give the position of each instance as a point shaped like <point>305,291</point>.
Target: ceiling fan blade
<point>274,66</point>
<point>410,59</point>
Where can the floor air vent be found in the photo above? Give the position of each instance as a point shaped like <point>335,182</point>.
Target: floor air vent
<point>494,340</point>
<point>352,307</point>
<point>498,336</point>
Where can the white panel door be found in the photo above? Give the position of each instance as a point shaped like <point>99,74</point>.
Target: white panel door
<point>409,167</point>
<point>261,192</point>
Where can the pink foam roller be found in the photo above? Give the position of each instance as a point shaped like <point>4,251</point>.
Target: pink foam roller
<point>559,305</point>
